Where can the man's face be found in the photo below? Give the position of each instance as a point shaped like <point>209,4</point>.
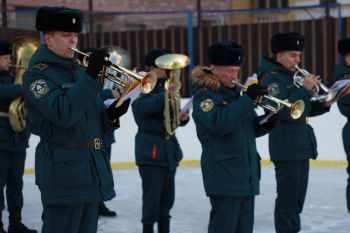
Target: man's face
<point>227,75</point>
<point>5,61</point>
<point>289,59</point>
<point>161,74</point>
<point>61,43</point>
<point>347,59</point>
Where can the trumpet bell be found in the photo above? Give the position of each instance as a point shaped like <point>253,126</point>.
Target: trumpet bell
<point>145,83</point>
<point>297,109</point>
<point>148,82</point>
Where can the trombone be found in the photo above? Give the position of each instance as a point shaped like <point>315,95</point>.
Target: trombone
<point>298,80</point>
<point>274,104</point>
<point>146,83</point>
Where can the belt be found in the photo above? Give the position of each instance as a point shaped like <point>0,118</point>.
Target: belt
<point>95,144</point>
<point>4,114</point>
<point>153,133</point>
<point>304,119</point>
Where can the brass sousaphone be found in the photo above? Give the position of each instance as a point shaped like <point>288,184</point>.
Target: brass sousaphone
<point>22,50</point>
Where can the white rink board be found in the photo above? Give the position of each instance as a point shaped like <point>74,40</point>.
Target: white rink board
<point>327,127</point>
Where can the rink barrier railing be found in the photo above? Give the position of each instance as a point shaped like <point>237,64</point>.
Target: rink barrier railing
<point>121,165</point>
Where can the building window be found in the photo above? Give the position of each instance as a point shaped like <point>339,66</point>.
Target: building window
<point>266,4</point>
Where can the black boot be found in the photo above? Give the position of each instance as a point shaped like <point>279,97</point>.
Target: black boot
<point>1,224</point>
<point>104,211</point>
<point>15,224</point>
<point>147,228</point>
<point>164,225</point>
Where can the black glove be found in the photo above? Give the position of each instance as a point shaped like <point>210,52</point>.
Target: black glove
<point>113,113</point>
<point>255,90</point>
<point>96,62</point>
<point>271,122</point>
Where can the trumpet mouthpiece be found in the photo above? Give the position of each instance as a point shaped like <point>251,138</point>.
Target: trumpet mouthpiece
<point>78,51</point>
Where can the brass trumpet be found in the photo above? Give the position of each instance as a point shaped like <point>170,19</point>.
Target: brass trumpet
<point>18,66</point>
<point>274,104</point>
<point>146,83</point>
<point>298,80</point>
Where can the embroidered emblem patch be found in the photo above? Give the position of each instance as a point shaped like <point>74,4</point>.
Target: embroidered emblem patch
<point>40,66</point>
<point>273,89</point>
<point>206,105</point>
<point>39,88</point>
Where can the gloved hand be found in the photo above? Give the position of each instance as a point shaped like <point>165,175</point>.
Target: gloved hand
<point>113,113</point>
<point>271,122</point>
<point>96,62</point>
<point>255,90</point>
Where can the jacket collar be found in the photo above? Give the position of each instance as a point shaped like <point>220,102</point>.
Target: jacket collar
<point>45,55</point>
<point>203,78</point>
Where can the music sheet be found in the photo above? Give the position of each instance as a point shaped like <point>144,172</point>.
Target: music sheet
<point>341,88</point>
<point>188,106</point>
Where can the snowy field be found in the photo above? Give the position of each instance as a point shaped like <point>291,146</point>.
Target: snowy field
<point>324,210</point>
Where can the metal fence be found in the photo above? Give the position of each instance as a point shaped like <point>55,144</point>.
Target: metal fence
<point>319,57</point>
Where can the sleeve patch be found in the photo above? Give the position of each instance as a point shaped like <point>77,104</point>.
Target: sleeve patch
<point>273,89</point>
<point>206,105</point>
<point>39,88</point>
<point>40,66</point>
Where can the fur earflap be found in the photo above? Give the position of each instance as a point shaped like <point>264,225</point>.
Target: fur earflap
<point>202,77</point>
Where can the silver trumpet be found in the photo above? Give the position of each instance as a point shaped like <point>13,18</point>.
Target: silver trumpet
<point>299,78</point>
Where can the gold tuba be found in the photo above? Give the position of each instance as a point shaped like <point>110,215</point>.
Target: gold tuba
<point>22,50</point>
<point>174,63</point>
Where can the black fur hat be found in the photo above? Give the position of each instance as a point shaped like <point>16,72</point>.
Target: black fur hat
<point>226,53</point>
<point>5,47</point>
<point>59,19</point>
<point>153,54</point>
<point>344,46</point>
<point>287,41</point>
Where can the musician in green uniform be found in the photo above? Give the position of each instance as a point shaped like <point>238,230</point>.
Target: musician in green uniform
<point>342,71</point>
<point>12,147</point>
<point>292,142</point>
<point>227,126</point>
<point>157,154</point>
<point>66,111</point>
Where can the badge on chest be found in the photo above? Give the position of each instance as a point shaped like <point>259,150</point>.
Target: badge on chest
<point>206,105</point>
<point>39,88</point>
